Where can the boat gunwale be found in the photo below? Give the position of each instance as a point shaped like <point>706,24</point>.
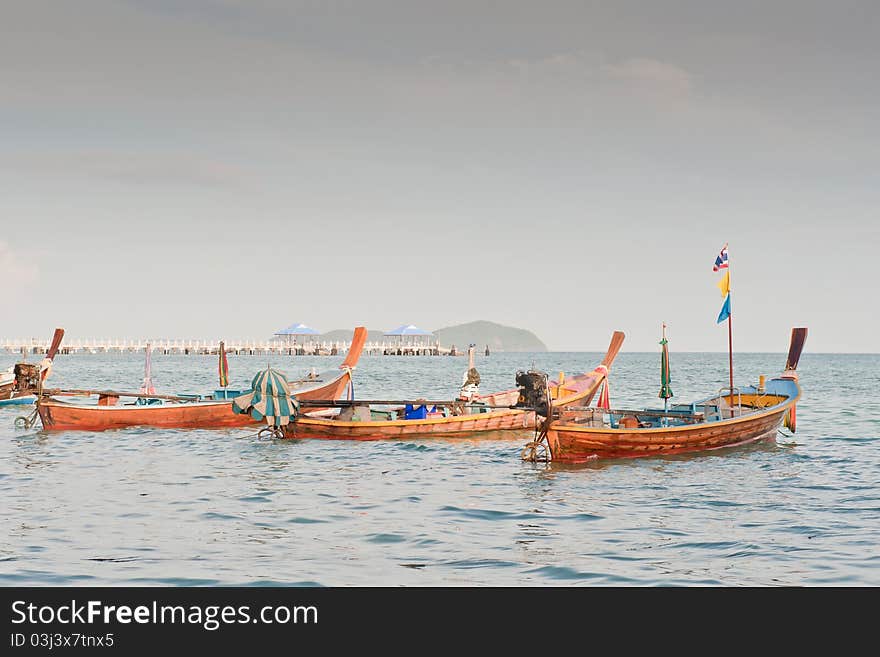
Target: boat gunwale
<point>128,407</point>
<point>560,426</point>
<point>309,420</point>
<point>314,421</point>
<point>53,400</point>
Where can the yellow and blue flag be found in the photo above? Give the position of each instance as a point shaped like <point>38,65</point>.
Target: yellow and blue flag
<point>721,262</point>
<point>725,310</point>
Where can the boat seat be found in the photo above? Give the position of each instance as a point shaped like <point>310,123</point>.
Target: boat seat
<point>711,413</point>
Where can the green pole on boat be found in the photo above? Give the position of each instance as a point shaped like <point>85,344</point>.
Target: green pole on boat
<point>665,377</point>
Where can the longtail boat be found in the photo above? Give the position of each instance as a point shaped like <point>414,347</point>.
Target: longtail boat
<point>176,412</point>
<point>479,414</point>
<point>730,418</point>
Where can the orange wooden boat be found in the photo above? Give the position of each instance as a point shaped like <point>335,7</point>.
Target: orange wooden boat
<point>455,419</point>
<point>180,413</point>
<point>738,417</point>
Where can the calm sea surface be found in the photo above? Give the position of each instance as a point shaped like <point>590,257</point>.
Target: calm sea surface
<point>172,507</point>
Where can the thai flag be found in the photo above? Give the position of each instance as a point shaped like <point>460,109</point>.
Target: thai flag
<point>721,260</point>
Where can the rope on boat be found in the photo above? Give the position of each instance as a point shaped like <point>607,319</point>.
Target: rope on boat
<point>26,421</point>
<point>535,452</point>
<point>538,450</point>
<point>269,433</point>
<point>788,435</point>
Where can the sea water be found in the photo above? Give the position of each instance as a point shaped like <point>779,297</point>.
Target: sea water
<point>146,506</point>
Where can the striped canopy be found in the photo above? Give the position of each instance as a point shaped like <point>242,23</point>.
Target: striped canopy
<point>665,377</point>
<point>268,399</point>
<point>223,366</point>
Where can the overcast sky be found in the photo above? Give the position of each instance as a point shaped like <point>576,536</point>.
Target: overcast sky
<point>211,168</point>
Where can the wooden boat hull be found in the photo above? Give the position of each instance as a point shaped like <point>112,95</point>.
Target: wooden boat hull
<point>750,416</point>
<point>500,423</point>
<point>737,417</point>
<point>504,423</point>
<point>60,415</point>
<point>581,444</point>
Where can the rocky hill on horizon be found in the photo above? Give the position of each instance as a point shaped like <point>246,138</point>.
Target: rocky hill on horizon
<point>482,333</point>
<point>497,337</point>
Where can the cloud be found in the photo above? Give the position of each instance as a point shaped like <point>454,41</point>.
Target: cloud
<point>652,74</point>
<point>174,169</point>
<point>588,71</point>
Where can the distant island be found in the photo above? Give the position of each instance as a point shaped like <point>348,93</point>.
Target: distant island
<point>481,333</point>
<point>497,336</point>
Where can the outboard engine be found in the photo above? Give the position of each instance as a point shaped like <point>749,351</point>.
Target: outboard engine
<point>27,377</point>
<point>533,391</point>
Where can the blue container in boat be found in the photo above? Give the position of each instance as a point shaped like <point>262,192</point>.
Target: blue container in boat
<point>227,394</point>
<point>418,413</point>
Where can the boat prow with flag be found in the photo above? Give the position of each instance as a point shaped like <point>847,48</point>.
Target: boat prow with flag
<point>726,419</point>
<point>732,416</point>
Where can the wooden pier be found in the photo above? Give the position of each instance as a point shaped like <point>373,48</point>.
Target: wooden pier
<point>233,346</point>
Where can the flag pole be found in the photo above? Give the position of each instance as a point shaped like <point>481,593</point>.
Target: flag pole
<point>665,399</point>
<point>730,326</point>
<point>730,351</point>
<point>665,421</point>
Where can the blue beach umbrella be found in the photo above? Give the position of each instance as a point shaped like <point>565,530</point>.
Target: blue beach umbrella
<point>269,399</point>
